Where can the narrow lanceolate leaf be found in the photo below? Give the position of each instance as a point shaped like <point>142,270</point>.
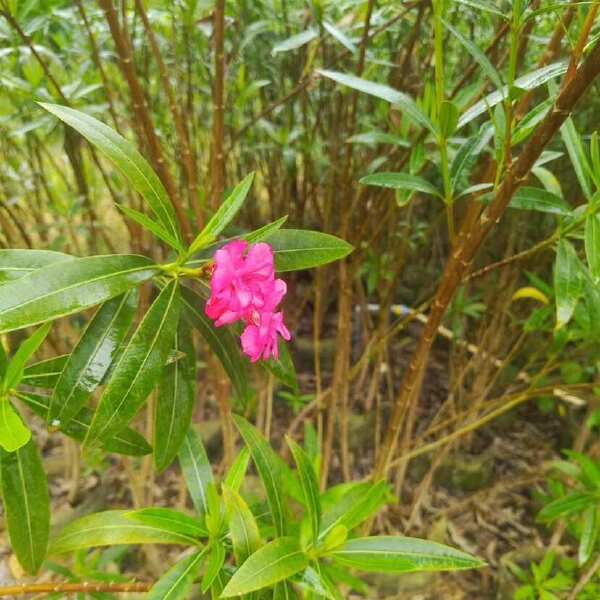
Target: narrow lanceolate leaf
<point>13,432</point>
<point>268,468</point>
<point>401,181</point>
<point>274,562</point>
<point>262,233</point>
<point>175,400</point>
<point>127,159</point>
<point>26,504</point>
<point>224,215</point>
<point>295,41</point>
<point>139,368</point>
<point>571,503</point>
<point>68,287</point>
<point>221,341</point>
<point>44,374</point>
<point>296,249</point>
<point>540,200</point>
<point>170,520</point>
<point>236,473</point>
<point>592,245</point>
<point>578,156</point>
<point>156,228</point>
<point>466,155</point>
<point>113,528</point>
<point>196,469</point>
<point>15,264</point>
<point>405,103</point>
<point>127,441</point>
<point>568,282</point>
<point>214,564</point>
<point>16,366</point>
<point>390,554</point>
<point>176,583</point>
<point>92,357</point>
<point>283,368</point>
<point>310,486</point>
<point>245,536</point>
<point>589,534</point>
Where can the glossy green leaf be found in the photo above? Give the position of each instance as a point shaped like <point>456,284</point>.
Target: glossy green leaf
<point>197,469</point>
<point>15,264</point>
<point>16,366</point>
<point>272,563</point>
<point>126,158</point>
<point>296,249</point>
<point>26,505</point>
<point>395,554</point>
<point>68,287</point>
<point>540,200</point>
<point>45,373</point>
<point>236,473</point>
<point>310,486</point>
<point>316,584</point>
<point>139,367</point>
<point>92,357</point>
<point>175,400</point>
<point>14,434</point>
<point>568,283</point>
<point>245,536</point>
<point>448,118</point>
<point>177,582</point>
<point>401,181</point>
<point>402,101</point>
<point>169,520</point>
<point>152,226</point>
<point>575,502</point>
<point>295,41</point>
<point>378,137</point>
<point>283,368</point>
<point>127,441</point>
<point>466,155</point>
<point>224,215</point>
<point>112,528</point>
<point>526,82</point>
<point>267,465</point>
<point>3,360</point>
<point>221,341</point>
<point>578,156</point>
<point>340,36</point>
<point>589,534</point>
<point>214,564</point>
<point>592,245</point>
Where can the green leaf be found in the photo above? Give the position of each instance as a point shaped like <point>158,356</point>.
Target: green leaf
<point>3,360</point>
<point>575,502</point>
<point>592,245</point>
<point>478,55</point>
<point>224,215</point>
<point>262,233</point>
<point>401,181</point>
<point>127,159</point>
<point>177,582</point>
<point>297,249</point>
<point>295,41</point>
<point>44,374</point>
<point>16,366</point>
<point>540,200</point>
<point>245,536</point>
<point>483,5</point>
<point>214,564</point>
<point>175,400</point>
<point>395,554</point>
<point>112,528</point>
<point>92,357</point>
<point>283,368</point>
<point>15,264</point>
<point>68,287</point>
<point>274,562</point>
<point>405,103</point>
<point>26,504</point>
<point>378,137</point>
<point>156,228</point>
<point>467,153</point>
<point>448,118</point>
<point>221,341</point>
<point>169,520</point>
<point>577,154</point>
<point>310,486</point>
<point>197,470</point>
<point>589,534</point>
<point>139,367</point>
<point>568,283</point>
<point>340,36</point>
<point>237,471</point>
<point>316,583</point>
<point>267,465</point>
<point>13,432</point>
<point>127,441</point>
<point>527,82</point>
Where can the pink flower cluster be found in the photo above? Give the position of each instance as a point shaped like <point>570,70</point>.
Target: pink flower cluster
<point>244,288</point>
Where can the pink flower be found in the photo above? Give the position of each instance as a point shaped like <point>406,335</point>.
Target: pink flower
<point>244,288</point>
